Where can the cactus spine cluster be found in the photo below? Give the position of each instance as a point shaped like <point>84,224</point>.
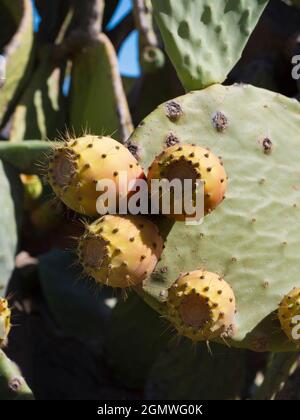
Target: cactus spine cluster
<point>196,163</point>
<point>120,251</point>
<point>289,315</point>
<point>5,324</point>
<point>201,306</point>
<point>77,166</point>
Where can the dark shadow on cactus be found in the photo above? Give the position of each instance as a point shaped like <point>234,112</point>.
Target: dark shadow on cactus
<point>186,371</point>
<point>52,16</point>
<point>266,60</point>
<point>42,101</point>
<point>135,336</point>
<point>79,306</point>
<point>152,89</point>
<point>8,26</point>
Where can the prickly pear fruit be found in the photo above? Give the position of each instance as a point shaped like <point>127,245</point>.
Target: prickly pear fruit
<point>4,320</point>
<point>289,315</point>
<point>201,306</point>
<point>120,251</point>
<point>195,163</point>
<point>77,166</point>
<point>33,189</point>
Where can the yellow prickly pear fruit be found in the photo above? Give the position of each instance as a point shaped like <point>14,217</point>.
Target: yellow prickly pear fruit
<point>201,306</point>
<point>4,320</point>
<point>289,315</point>
<point>191,162</point>
<point>77,166</point>
<point>120,251</point>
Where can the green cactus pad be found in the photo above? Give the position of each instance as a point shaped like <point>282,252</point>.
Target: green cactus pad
<point>205,39</point>
<point>252,239</point>
<point>98,103</point>
<point>186,372</point>
<point>39,113</point>
<point>134,338</point>
<point>28,157</point>
<point>152,57</point>
<point>17,52</point>
<point>73,301</point>
<point>10,189</point>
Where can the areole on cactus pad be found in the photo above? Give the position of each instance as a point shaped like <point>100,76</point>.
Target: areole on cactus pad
<point>251,240</point>
<point>77,165</point>
<point>120,251</point>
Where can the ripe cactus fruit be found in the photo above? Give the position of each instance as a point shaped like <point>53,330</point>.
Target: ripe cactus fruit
<point>289,315</point>
<point>120,251</point>
<point>77,165</point>
<point>4,320</point>
<point>192,162</point>
<point>201,306</point>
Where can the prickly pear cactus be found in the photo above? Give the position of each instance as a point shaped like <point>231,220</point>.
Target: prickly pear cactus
<point>8,228</point>
<point>251,239</point>
<point>205,39</point>
<point>152,57</point>
<point>133,340</point>
<point>12,384</point>
<point>179,371</point>
<point>39,113</point>
<point>85,311</point>
<point>17,50</point>
<point>98,104</point>
<point>30,157</point>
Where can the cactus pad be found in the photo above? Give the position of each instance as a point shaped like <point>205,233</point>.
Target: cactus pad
<point>17,51</point>
<point>205,39</point>
<point>252,239</point>
<point>10,186</point>
<point>188,372</point>
<point>98,103</point>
